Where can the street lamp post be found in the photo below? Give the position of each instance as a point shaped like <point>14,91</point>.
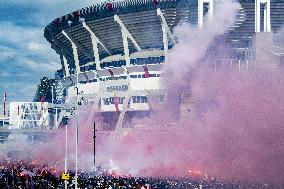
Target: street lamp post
<point>94,144</point>
<point>76,137</point>
<point>66,152</point>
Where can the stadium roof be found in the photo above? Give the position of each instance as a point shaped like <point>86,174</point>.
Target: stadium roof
<point>140,18</point>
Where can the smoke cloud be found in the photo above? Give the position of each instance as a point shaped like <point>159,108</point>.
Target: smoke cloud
<point>232,129</point>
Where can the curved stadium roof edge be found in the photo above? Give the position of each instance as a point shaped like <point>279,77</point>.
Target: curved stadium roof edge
<point>140,18</point>
<point>105,9</point>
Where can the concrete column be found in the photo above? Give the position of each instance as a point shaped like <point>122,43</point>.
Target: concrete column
<point>75,52</point>
<point>65,64</point>
<point>96,52</point>
<point>126,48</point>
<point>267,19</point>
<point>200,12</point>
<point>165,42</point>
<point>76,57</point>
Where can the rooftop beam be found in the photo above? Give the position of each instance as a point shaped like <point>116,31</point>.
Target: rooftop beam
<point>125,35</point>
<point>95,37</point>
<point>78,45</point>
<point>65,65</point>
<point>126,32</point>
<point>62,48</point>
<point>164,23</point>
<point>64,52</point>
<point>95,42</point>
<point>166,32</point>
<point>75,52</point>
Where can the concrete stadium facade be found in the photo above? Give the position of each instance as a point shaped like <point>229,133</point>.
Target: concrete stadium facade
<point>112,53</point>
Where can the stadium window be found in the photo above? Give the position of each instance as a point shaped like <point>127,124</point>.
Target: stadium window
<point>136,99</point>
<point>144,99</point>
<point>153,60</point>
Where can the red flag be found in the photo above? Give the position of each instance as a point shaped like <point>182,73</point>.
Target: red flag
<point>146,70</point>
<point>155,2</point>
<point>110,72</point>
<point>116,102</point>
<point>41,102</point>
<point>77,13</point>
<point>109,6</point>
<point>5,97</point>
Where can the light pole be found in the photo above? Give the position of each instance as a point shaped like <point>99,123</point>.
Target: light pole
<point>94,144</point>
<point>66,152</point>
<point>76,138</point>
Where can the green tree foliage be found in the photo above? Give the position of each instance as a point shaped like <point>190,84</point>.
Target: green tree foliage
<point>44,89</point>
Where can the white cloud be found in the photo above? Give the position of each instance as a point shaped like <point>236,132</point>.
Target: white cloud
<point>25,55</point>
<point>47,10</point>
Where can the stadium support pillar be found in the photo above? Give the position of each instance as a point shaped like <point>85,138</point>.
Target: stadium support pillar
<point>166,33</point>
<point>125,36</point>
<point>201,13</point>
<point>166,42</point>
<point>95,42</point>
<point>65,64</point>
<point>126,49</point>
<point>75,52</point>
<point>266,17</point>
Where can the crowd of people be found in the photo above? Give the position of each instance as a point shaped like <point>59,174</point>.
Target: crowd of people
<point>32,175</point>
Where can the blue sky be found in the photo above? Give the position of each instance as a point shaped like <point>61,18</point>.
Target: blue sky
<point>25,55</point>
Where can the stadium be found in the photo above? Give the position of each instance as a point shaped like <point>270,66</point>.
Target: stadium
<point>112,53</point>
<point>126,121</point>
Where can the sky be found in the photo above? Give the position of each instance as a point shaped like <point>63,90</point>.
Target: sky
<point>25,55</point>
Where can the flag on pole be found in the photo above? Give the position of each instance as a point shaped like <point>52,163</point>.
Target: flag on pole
<point>5,98</point>
<point>116,102</point>
<point>146,71</point>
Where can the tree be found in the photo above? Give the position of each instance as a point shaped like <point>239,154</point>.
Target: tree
<point>44,90</point>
